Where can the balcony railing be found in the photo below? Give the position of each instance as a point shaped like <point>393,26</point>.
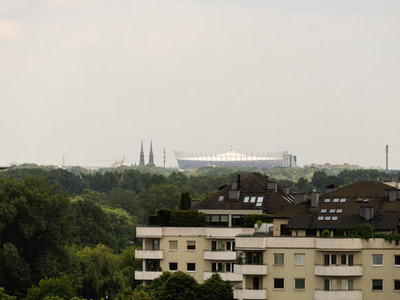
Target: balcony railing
<point>338,270</point>
<point>219,255</point>
<point>149,254</point>
<point>247,293</point>
<point>338,295</point>
<point>147,275</point>
<point>251,269</point>
<point>224,275</point>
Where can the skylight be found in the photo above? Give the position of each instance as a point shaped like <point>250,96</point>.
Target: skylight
<point>246,199</point>
<point>221,198</point>
<point>253,199</point>
<point>332,211</point>
<point>327,200</point>
<point>343,200</point>
<point>336,200</point>
<point>259,201</point>
<point>334,218</point>
<point>323,211</point>
<point>339,210</point>
<point>328,218</point>
<point>320,218</point>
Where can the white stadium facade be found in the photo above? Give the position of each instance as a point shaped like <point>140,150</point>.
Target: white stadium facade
<point>187,161</point>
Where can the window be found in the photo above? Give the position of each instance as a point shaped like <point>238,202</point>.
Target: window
<point>253,199</point>
<point>191,267</point>
<point>397,285</point>
<point>299,283</point>
<point>173,245</point>
<point>334,218</point>
<point>377,259</point>
<point>279,283</point>
<point>397,260</point>
<point>237,220</point>
<point>343,259</point>
<point>173,266</point>
<point>279,259</point>
<point>323,211</point>
<point>328,218</point>
<point>333,259</point>
<point>339,210</point>
<point>351,260</point>
<point>221,198</point>
<point>191,245</point>
<point>326,260</point>
<point>228,267</point>
<point>246,199</point>
<point>259,201</point>
<point>377,284</point>
<point>327,200</point>
<point>335,200</point>
<point>299,259</point>
<point>332,211</point>
<point>343,200</point>
<point>218,220</point>
<point>320,218</point>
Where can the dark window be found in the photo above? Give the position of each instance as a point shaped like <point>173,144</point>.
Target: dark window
<point>256,283</point>
<point>228,267</point>
<point>220,267</point>
<point>299,283</point>
<point>333,259</point>
<point>213,245</point>
<point>218,220</point>
<point>191,267</point>
<point>377,284</point>
<point>214,267</point>
<point>191,245</point>
<point>237,221</point>
<point>233,246</point>
<point>279,283</point>
<point>173,266</point>
<point>351,260</point>
<point>228,245</point>
<point>233,267</point>
<point>397,260</point>
<point>343,259</point>
<point>326,260</point>
<point>326,285</point>
<point>397,284</point>
<point>284,230</point>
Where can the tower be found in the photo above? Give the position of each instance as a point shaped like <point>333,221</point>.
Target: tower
<point>141,162</point>
<point>387,157</point>
<point>151,156</point>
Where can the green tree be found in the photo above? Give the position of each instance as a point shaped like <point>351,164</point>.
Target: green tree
<point>35,224</point>
<point>123,226</point>
<point>102,274</point>
<point>185,202</point>
<point>129,294</point>
<point>92,224</point>
<point>61,287</point>
<point>215,288</point>
<point>129,264</point>
<point>4,296</point>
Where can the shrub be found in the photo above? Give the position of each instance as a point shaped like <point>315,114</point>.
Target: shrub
<point>188,218</point>
<point>250,220</point>
<point>325,233</point>
<point>152,220</point>
<point>164,217</point>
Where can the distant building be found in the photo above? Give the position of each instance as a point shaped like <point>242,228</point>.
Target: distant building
<point>328,166</point>
<point>187,161</point>
<point>151,156</point>
<point>141,162</point>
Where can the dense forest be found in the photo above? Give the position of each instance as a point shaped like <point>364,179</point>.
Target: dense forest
<point>71,233</point>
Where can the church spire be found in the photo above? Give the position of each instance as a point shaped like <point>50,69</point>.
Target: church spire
<point>151,156</point>
<point>141,163</point>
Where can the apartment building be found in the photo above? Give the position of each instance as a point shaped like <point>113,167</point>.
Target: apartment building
<point>307,255</point>
<point>201,251</point>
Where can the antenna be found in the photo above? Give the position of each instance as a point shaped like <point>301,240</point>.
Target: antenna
<point>387,157</point>
<point>164,158</point>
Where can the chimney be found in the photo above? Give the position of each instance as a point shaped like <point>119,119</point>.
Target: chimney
<point>392,196</point>
<point>367,212</point>
<point>285,190</point>
<point>234,186</point>
<point>272,187</point>
<point>238,182</point>
<point>314,198</point>
<point>299,198</point>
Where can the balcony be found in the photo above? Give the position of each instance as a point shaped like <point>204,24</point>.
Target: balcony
<point>338,295</point>
<point>240,293</point>
<point>219,255</point>
<point>224,275</point>
<point>149,254</point>
<point>251,269</point>
<point>341,270</point>
<point>147,275</point>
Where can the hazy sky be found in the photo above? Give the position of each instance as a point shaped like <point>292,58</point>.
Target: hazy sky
<point>91,78</point>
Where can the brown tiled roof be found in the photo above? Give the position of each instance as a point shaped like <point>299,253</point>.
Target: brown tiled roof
<point>349,200</point>
<point>251,185</point>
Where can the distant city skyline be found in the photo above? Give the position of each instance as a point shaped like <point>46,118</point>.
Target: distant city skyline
<point>90,79</point>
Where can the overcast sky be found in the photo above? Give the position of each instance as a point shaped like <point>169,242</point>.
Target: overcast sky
<point>90,78</point>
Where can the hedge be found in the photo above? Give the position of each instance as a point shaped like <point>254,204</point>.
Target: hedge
<point>188,218</point>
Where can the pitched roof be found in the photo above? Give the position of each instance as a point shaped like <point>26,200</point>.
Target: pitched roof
<point>341,208</point>
<point>253,195</point>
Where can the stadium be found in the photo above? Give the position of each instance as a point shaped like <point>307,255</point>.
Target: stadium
<point>188,161</point>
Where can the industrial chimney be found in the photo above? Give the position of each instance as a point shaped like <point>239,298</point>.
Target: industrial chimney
<point>387,157</point>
